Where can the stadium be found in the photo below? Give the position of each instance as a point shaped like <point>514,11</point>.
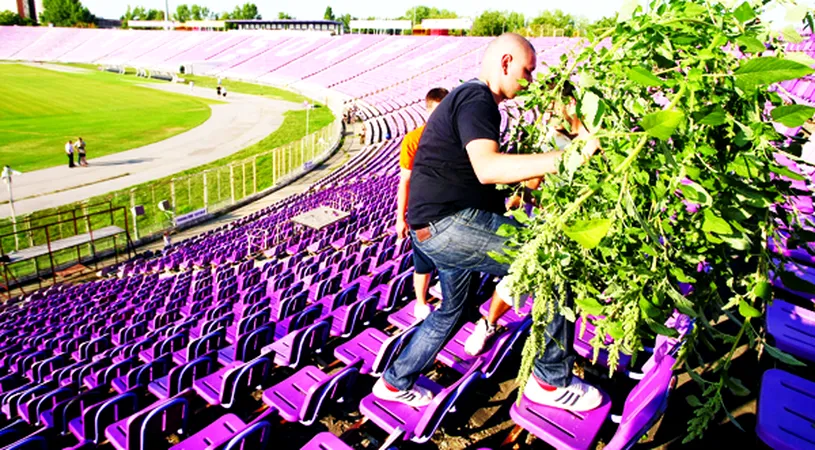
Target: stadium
<point>207,243</point>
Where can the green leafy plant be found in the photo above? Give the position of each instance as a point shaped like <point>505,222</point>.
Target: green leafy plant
<point>681,194</point>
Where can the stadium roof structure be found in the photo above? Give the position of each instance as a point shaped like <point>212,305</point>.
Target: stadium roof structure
<point>381,25</point>
<point>289,24</point>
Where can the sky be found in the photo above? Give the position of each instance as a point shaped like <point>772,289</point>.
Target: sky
<point>314,9</point>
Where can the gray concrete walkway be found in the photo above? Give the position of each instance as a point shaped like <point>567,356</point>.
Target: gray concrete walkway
<point>242,121</point>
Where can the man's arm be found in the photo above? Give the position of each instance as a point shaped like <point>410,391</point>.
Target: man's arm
<point>493,167</point>
<point>401,203</point>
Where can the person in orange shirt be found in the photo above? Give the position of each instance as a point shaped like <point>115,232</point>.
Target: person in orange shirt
<point>422,266</point>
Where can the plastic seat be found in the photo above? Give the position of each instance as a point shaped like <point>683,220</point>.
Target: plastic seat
<point>793,328</point>
<point>786,411</point>
<point>510,316</point>
<point>148,428</point>
<point>326,441</point>
<point>496,349</point>
<point>223,428</point>
<point>229,384</point>
<point>301,396</point>
<point>417,424</point>
<point>291,350</point>
<point>578,430</point>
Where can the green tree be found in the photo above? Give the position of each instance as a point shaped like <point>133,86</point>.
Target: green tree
<point>329,14</point>
<point>66,13</point>
<point>154,14</point>
<point>555,22</point>
<point>346,21</point>
<point>603,24</point>
<point>182,13</point>
<point>418,13</point>
<point>494,23</point>
<point>12,18</point>
<point>248,11</point>
<point>284,16</point>
<point>199,12</point>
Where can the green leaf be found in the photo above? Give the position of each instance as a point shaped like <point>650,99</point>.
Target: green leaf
<point>762,290</point>
<point>784,357</point>
<point>768,69</point>
<point>733,419</point>
<point>694,10</point>
<point>750,44</point>
<point>498,257</point>
<point>520,216</point>
<point>648,308</point>
<point>568,313</point>
<point>796,283</point>
<point>695,193</point>
<point>588,233</point>
<point>790,34</point>
<point>714,224</point>
<point>786,172</point>
<point>684,305</point>
<point>507,230</point>
<point>792,115</point>
<point>800,57</point>
<point>737,387</point>
<point>662,124</point>
<point>615,330</point>
<point>715,118</point>
<point>644,77</point>
<point>693,401</point>
<point>589,306</point>
<point>592,108</point>
<point>744,13</point>
<point>661,329</point>
<point>747,310</point>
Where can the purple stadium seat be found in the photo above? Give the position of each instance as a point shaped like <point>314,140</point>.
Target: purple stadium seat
<point>301,396</point>
<point>149,427</point>
<point>453,355</point>
<point>793,328</point>
<point>511,316</point>
<point>182,377</point>
<point>578,430</point>
<point>91,424</point>
<point>582,345</point>
<point>229,384</point>
<point>293,348</point>
<point>786,411</point>
<point>223,428</point>
<point>417,424</point>
<point>326,441</point>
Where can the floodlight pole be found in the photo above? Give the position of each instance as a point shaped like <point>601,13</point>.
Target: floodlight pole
<point>7,172</point>
<point>303,147</point>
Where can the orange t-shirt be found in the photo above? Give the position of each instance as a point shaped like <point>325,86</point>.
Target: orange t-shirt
<point>409,146</point>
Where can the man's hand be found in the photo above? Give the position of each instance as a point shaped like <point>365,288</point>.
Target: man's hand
<point>592,143</point>
<point>401,228</point>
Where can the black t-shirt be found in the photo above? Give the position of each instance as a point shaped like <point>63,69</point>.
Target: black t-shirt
<point>443,181</point>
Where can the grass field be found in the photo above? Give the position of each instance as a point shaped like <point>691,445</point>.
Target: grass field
<point>41,109</point>
<point>189,194</point>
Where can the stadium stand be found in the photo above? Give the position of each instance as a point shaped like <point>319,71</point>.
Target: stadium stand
<point>222,339</point>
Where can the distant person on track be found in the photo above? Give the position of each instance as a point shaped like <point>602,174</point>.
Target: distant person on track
<point>223,89</point>
<point>454,213</point>
<point>218,90</point>
<point>80,151</point>
<point>422,265</point>
<point>69,150</point>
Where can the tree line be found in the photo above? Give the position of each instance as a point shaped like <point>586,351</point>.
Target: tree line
<point>71,13</point>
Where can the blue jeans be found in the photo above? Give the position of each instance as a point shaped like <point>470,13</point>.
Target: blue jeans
<point>458,246</point>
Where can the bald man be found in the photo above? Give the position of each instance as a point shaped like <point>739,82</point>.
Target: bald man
<point>454,212</point>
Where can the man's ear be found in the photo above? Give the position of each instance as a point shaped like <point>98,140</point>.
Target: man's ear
<point>505,60</point>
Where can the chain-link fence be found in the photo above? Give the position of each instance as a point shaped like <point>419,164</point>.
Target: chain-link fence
<point>182,198</point>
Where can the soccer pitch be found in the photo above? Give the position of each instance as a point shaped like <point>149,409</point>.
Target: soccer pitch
<point>41,109</point>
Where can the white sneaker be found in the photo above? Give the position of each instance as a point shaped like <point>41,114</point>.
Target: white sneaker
<point>476,341</point>
<point>421,310</point>
<point>578,396</point>
<point>415,397</point>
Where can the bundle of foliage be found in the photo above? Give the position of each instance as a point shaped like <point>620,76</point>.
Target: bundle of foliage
<point>676,212</point>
